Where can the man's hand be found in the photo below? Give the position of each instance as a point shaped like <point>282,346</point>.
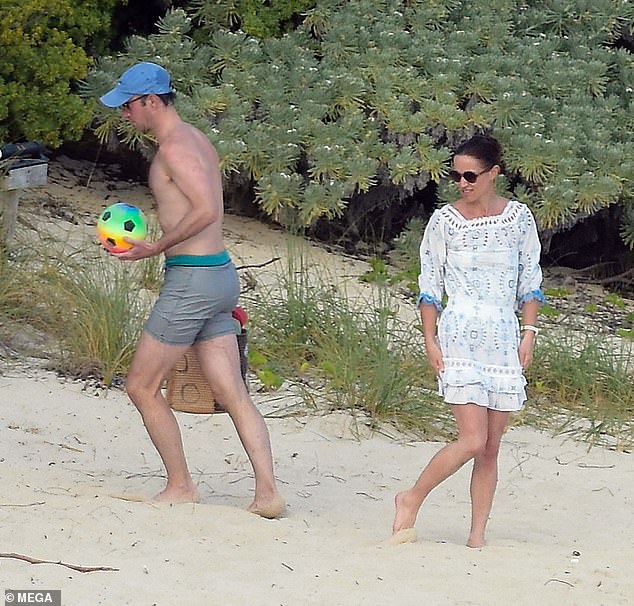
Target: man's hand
<point>141,249</point>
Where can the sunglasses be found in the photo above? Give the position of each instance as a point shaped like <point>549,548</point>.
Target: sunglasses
<point>127,104</point>
<point>469,176</point>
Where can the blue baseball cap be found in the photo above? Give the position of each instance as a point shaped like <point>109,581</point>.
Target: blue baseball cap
<point>140,79</point>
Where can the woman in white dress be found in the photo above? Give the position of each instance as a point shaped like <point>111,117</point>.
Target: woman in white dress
<point>482,253</point>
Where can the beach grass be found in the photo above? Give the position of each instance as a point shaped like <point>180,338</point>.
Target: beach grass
<point>104,320</point>
<point>355,350</point>
<point>364,359</point>
<point>582,386</point>
<point>342,347</point>
<point>88,305</point>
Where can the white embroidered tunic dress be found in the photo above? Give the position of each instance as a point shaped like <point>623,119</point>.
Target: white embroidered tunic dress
<point>488,268</point>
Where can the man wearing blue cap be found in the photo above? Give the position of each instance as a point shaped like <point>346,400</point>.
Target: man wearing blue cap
<point>200,290</point>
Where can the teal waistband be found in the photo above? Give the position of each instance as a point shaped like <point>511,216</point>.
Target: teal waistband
<point>220,258</point>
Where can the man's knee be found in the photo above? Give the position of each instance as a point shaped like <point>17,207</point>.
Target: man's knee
<point>132,388</point>
<point>233,398</point>
<point>138,389</point>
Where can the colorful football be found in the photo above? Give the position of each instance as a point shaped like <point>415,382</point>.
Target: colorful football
<point>119,221</point>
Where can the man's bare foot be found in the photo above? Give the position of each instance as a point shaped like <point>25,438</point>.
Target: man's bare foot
<point>406,512</point>
<point>183,494</point>
<point>268,508</point>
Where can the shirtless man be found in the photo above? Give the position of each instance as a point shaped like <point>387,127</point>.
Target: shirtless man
<point>200,290</point>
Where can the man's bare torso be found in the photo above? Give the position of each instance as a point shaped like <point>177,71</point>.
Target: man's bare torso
<point>194,152</point>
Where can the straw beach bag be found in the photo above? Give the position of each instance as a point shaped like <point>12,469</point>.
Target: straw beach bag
<point>187,389</point>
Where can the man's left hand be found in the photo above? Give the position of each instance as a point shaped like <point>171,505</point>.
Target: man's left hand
<point>141,249</point>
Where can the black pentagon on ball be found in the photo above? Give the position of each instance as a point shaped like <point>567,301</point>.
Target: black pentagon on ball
<point>129,225</point>
<point>106,215</point>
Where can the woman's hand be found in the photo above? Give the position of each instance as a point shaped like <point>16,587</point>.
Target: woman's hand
<point>527,346</point>
<point>434,355</point>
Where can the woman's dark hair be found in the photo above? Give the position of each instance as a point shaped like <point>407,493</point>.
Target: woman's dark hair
<point>482,147</point>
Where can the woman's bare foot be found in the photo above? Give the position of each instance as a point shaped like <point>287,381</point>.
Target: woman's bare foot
<point>475,541</point>
<point>406,512</point>
<point>178,494</point>
<point>270,508</point>
<point>407,535</point>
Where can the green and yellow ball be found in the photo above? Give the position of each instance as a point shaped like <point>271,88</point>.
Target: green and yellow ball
<point>119,221</point>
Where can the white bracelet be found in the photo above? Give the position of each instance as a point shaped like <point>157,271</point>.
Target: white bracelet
<point>531,328</point>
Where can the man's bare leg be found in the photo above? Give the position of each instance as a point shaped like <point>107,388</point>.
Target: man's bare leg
<point>152,361</point>
<point>220,362</point>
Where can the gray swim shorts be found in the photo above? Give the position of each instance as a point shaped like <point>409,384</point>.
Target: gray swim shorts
<point>195,301</point>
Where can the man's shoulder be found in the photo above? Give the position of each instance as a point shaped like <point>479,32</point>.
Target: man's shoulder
<point>186,141</point>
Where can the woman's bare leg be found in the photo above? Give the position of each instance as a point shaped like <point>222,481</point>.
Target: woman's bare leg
<point>472,436</point>
<point>484,478</point>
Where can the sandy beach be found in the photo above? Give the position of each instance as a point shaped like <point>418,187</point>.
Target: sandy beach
<point>75,466</point>
<point>78,470</point>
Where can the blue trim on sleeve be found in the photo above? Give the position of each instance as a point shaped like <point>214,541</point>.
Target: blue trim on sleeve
<point>533,295</point>
<point>427,299</point>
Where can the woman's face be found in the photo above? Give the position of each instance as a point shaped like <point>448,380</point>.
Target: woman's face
<point>466,168</point>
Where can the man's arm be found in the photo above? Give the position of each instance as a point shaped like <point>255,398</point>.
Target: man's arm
<point>199,181</point>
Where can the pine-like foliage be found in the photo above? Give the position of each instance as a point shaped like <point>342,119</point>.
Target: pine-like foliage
<point>371,93</point>
<point>257,18</point>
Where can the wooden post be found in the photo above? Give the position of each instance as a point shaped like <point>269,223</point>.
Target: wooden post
<point>9,215</point>
<point>25,174</point>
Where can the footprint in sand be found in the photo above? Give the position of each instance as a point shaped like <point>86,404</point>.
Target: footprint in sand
<point>406,535</point>
<point>271,510</point>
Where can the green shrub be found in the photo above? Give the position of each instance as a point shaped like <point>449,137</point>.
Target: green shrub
<point>256,18</point>
<point>43,56</point>
<point>366,95</point>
